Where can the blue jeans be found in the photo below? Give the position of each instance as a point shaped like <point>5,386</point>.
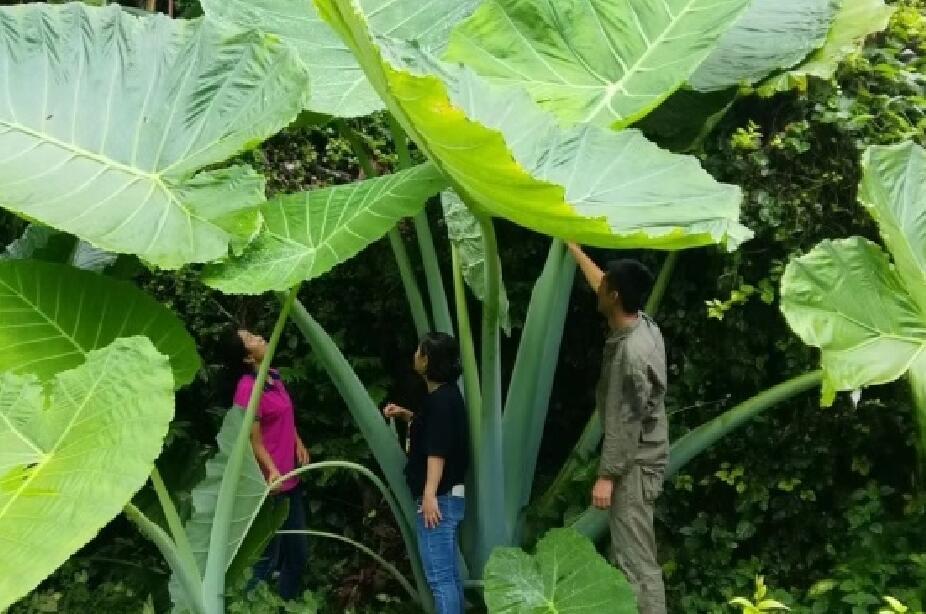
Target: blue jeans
<point>287,554</point>
<point>438,548</point>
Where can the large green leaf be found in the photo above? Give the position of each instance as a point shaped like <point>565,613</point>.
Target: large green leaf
<point>251,492</point>
<point>565,576</point>
<point>597,61</point>
<point>846,298</point>
<point>855,21</point>
<point>307,234</point>
<point>338,84</point>
<point>771,35</point>
<point>893,190</point>
<point>464,231</point>
<point>53,315</point>
<point>69,463</point>
<point>105,119</point>
<point>585,184</point>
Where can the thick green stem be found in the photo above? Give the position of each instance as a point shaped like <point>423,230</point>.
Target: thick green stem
<point>406,273</point>
<point>436,292</point>
<point>471,390</point>
<point>189,577</point>
<point>532,379</point>
<point>217,560</point>
<point>493,528</point>
<point>174,523</point>
<point>917,379</point>
<point>408,531</point>
<point>472,395</point>
<point>594,523</point>
<point>662,282</point>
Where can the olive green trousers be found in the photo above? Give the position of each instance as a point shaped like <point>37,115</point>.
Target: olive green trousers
<point>633,540</point>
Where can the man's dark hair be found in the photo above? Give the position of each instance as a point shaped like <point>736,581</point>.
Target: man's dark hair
<point>443,354</point>
<point>632,281</point>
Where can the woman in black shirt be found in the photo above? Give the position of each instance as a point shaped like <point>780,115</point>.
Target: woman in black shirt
<point>438,458</point>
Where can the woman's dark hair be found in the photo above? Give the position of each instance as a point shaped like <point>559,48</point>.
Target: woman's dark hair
<point>232,354</point>
<point>443,354</point>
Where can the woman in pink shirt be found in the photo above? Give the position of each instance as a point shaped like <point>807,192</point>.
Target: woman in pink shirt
<point>278,450</point>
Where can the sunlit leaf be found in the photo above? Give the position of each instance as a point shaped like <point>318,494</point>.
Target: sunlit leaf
<point>106,119</point>
<point>866,314</point>
<point>845,298</point>
<point>338,85</point>
<point>70,463</point>
<point>598,61</point>
<point>307,234</point>
<point>53,315</point>
<point>585,183</point>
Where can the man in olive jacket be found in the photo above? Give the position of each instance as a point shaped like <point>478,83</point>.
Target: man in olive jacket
<point>630,399</point>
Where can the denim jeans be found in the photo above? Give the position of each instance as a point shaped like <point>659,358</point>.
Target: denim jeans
<point>287,554</point>
<point>438,548</point>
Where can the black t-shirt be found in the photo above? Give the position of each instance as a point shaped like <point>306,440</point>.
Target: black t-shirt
<point>440,429</point>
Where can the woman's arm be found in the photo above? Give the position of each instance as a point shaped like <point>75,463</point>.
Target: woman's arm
<point>262,455</point>
<point>302,452</point>
<point>429,507</point>
<point>593,274</point>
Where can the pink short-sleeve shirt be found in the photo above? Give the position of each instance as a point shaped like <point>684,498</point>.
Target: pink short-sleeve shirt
<point>277,422</point>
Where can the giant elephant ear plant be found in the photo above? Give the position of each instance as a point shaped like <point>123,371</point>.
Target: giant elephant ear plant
<point>864,306</point>
<point>114,128</point>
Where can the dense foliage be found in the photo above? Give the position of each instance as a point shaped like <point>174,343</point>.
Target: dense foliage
<point>823,502</point>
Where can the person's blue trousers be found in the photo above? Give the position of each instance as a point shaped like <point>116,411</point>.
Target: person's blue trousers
<point>438,548</point>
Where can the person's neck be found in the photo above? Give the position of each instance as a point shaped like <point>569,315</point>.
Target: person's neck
<point>432,386</point>
<point>619,320</point>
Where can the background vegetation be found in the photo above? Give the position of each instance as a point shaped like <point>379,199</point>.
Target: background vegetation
<point>823,502</point>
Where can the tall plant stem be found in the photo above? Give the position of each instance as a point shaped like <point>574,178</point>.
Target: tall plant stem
<point>174,523</point>
<point>493,529</point>
<point>661,284</point>
<point>471,393</point>
<point>217,560</point>
<point>189,577</point>
<point>917,380</point>
<point>528,398</point>
<point>440,308</point>
<point>471,389</point>
<point>406,273</point>
<point>594,523</point>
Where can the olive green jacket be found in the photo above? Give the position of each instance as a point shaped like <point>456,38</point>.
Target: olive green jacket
<point>631,400</point>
